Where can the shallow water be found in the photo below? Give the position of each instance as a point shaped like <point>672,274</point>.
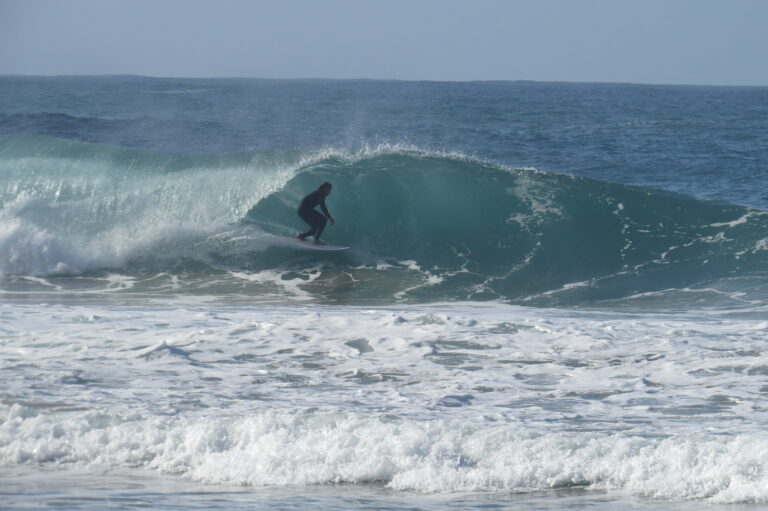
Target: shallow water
<point>32,489</point>
<point>437,398</point>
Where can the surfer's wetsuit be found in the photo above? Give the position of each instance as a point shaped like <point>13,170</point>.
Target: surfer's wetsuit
<point>308,213</point>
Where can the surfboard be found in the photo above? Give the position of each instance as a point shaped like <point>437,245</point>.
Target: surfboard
<point>310,244</point>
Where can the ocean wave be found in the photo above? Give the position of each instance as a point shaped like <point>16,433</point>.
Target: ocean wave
<point>437,456</point>
<point>423,226</point>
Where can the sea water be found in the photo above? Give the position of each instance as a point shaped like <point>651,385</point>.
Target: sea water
<point>556,295</point>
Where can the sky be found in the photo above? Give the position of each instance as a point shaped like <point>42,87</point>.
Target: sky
<point>716,42</point>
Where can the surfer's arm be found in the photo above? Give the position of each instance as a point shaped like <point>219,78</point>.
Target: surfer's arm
<point>325,210</point>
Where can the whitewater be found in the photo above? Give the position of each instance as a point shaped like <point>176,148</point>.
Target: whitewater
<point>555,295</point>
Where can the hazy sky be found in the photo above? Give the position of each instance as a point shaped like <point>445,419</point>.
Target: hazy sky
<point>645,41</point>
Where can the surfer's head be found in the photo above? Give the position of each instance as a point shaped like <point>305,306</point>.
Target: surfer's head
<point>326,188</point>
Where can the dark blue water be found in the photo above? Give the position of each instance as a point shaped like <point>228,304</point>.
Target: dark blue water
<point>704,141</point>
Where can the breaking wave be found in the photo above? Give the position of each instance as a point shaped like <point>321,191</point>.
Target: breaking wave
<point>423,226</point>
<point>282,449</point>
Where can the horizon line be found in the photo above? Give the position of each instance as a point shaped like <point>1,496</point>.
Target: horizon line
<point>404,80</point>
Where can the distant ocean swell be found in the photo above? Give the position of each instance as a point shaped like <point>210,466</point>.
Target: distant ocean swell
<point>423,226</point>
<point>441,456</point>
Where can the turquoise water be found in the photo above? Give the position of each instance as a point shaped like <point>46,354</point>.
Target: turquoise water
<point>555,295</point>
<point>537,194</point>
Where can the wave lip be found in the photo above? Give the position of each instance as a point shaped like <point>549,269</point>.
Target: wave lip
<point>438,456</point>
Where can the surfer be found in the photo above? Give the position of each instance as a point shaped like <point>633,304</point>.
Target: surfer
<point>308,213</point>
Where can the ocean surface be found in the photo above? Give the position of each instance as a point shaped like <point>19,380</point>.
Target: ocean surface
<point>556,295</point>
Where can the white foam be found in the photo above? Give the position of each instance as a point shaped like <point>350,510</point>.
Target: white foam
<point>436,456</point>
<point>743,219</point>
<point>283,287</point>
<point>27,250</point>
<point>437,398</point>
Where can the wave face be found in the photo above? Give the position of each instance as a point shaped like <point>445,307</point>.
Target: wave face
<point>422,226</point>
<point>477,231</point>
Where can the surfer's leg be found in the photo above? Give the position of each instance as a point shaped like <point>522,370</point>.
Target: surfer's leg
<point>302,236</point>
<point>320,225</point>
<point>308,217</point>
